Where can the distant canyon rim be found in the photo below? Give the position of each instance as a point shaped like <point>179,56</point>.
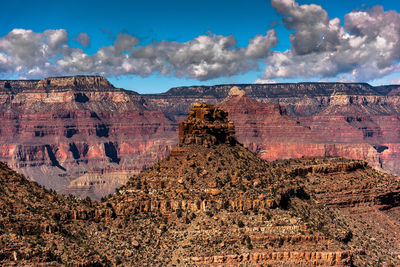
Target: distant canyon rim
<point>80,135</point>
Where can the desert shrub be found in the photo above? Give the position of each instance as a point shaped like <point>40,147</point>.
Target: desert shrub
<point>179,213</point>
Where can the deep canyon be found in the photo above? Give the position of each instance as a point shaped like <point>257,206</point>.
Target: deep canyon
<point>80,135</point>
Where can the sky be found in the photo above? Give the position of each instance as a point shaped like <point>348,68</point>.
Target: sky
<point>151,46</point>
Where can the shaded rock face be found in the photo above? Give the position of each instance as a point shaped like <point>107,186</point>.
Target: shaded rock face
<point>206,125</point>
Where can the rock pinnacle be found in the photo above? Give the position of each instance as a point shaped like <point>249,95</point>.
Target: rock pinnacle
<point>207,125</point>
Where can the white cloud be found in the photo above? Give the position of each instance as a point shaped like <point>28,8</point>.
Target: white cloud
<point>31,54</point>
<point>259,47</point>
<point>264,81</point>
<point>367,48</point>
<point>206,57</point>
<point>56,38</point>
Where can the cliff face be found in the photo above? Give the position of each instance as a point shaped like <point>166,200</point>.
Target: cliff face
<point>279,121</point>
<point>79,135</point>
<point>210,204</point>
<point>225,206</point>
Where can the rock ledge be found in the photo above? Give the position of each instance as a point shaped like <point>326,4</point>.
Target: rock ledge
<point>207,125</point>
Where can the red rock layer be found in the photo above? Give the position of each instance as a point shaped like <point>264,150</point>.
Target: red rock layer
<point>80,135</point>
<point>342,128</point>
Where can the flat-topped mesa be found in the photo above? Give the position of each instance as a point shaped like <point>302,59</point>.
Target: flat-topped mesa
<point>16,86</point>
<point>207,125</point>
<point>81,82</point>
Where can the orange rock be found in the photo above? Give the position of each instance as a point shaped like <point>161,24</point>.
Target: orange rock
<point>215,192</point>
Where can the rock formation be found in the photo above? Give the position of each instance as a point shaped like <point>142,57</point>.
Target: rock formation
<point>79,135</point>
<point>308,203</point>
<point>353,120</point>
<point>219,205</point>
<point>83,136</point>
<point>206,125</point>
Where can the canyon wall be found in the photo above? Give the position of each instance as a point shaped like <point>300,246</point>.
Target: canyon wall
<point>281,121</point>
<point>79,135</point>
<point>83,136</point>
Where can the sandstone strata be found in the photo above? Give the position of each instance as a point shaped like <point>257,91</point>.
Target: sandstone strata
<point>66,132</point>
<point>219,205</point>
<point>352,120</point>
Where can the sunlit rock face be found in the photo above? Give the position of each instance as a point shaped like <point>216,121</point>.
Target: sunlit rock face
<point>280,121</point>
<point>79,135</point>
<point>207,125</point>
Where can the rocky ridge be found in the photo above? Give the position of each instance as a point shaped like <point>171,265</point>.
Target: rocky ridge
<point>251,205</point>
<point>81,135</point>
<point>213,205</point>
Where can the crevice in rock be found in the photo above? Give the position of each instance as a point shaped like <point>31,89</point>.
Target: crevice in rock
<point>94,115</point>
<point>380,148</point>
<point>74,150</point>
<point>53,159</point>
<point>70,132</point>
<point>111,152</point>
<point>81,98</point>
<point>102,130</point>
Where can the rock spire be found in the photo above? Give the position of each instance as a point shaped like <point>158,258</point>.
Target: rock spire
<point>207,125</point>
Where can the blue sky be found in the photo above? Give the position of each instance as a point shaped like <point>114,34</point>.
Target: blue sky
<point>150,46</point>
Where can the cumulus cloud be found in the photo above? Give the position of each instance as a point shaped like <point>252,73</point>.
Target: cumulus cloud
<point>209,56</point>
<point>56,38</point>
<point>314,31</point>
<point>259,47</point>
<point>206,57</point>
<point>366,48</point>
<point>24,48</point>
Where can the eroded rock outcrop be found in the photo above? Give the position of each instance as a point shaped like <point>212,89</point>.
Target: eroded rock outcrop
<point>218,205</point>
<point>62,129</point>
<point>229,183</point>
<point>206,125</point>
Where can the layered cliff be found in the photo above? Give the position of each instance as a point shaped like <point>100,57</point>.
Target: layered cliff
<point>279,121</point>
<point>79,135</point>
<point>210,204</point>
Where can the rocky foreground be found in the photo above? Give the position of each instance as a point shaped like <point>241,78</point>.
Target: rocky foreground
<point>211,202</point>
<point>80,135</point>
